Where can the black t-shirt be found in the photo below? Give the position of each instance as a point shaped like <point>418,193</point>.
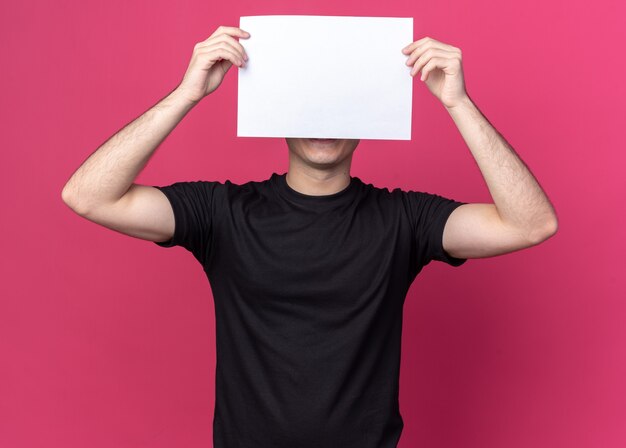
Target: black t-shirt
<point>308,294</point>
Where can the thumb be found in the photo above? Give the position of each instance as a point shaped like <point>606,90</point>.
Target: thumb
<point>225,64</point>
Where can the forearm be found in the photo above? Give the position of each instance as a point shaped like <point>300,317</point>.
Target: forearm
<point>518,197</point>
<point>107,174</point>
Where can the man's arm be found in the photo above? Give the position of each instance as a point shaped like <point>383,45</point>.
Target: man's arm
<point>522,215</point>
<point>102,188</point>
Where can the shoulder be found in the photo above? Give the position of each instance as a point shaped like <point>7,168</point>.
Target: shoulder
<point>384,192</point>
<point>230,191</point>
<point>416,204</point>
<point>226,186</point>
<point>396,195</point>
<point>234,187</point>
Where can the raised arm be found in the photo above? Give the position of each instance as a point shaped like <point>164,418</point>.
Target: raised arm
<point>521,215</point>
<point>102,188</point>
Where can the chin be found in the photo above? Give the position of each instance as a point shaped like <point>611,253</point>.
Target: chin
<point>323,159</point>
<point>322,152</point>
<point>328,153</point>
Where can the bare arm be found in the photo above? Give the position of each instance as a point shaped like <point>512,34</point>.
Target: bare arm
<point>521,215</point>
<point>102,188</point>
<point>107,174</point>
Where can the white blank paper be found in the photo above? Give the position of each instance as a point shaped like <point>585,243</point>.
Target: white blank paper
<point>325,77</point>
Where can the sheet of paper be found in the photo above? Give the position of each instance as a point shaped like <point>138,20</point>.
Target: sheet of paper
<point>325,77</point>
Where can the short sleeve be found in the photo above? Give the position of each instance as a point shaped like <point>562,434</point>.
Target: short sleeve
<point>192,204</point>
<point>429,214</point>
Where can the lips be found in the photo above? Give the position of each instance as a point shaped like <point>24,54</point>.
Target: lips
<point>323,140</point>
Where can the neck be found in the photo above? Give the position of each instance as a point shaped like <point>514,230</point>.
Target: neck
<point>316,182</point>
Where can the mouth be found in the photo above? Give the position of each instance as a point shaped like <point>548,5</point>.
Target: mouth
<point>322,141</point>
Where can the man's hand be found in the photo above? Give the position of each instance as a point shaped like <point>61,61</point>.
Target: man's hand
<point>210,61</point>
<point>441,69</point>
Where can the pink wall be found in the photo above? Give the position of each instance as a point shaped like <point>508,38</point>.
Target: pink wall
<point>107,340</point>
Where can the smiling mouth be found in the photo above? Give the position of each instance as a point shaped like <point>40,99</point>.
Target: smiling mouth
<point>323,140</point>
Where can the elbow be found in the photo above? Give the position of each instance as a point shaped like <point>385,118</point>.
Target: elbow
<point>65,196</point>
<point>70,200</point>
<point>542,233</point>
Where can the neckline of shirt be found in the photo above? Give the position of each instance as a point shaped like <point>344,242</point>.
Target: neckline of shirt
<point>280,181</point>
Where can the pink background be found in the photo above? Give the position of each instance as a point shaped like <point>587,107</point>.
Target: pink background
<point>108,341</point>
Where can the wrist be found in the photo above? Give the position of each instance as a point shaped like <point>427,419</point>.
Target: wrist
<point>181,98</point>
<point>463,103</point>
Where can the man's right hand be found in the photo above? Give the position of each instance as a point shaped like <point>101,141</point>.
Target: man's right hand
<point>210,61</point>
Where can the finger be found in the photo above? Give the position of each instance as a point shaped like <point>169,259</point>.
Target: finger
<point>225,65</point>
<point>427,56</point>
<point>223,52</point>
<point>434,49</point>
<point>231,31</point>
<point>420,50</point>
<point>418,43</point>
<point>409,48</point>
<point>228,39</point>
<point>224,45</point>
<point>433,64</point>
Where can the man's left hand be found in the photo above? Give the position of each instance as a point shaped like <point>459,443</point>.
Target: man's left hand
<point>441,68</point>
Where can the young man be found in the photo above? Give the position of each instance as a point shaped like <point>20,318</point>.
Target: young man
<point>309,269</point>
